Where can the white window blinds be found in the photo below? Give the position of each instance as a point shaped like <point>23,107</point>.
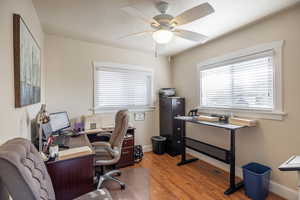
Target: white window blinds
<point>244,83</point>
<point>122,88</point>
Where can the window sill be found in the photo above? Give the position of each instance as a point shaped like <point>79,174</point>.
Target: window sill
<point>275,115</point>
<point>114,110</point>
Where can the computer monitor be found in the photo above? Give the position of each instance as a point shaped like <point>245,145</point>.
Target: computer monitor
<point>47,131</point>
<point>59,121</point>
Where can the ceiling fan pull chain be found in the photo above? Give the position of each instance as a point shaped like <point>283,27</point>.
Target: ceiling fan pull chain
<point>156,49</point>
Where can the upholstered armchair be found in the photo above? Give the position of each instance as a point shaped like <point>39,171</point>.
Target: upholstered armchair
<point>24,175</point>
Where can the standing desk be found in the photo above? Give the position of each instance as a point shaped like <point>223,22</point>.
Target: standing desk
<point>223,155</point>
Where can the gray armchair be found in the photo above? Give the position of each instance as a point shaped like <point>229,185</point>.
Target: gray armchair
<point>109,153</point>
<point>24,175</point>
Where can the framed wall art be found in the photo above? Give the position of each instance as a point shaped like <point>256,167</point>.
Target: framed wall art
<point>27,64</point>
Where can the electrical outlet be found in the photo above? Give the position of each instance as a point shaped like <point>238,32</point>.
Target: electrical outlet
<point>139,116</point>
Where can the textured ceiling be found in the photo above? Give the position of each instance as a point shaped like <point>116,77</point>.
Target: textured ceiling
<point>103,21</point>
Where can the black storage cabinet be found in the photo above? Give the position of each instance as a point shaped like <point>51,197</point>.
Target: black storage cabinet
<point>169,127</point>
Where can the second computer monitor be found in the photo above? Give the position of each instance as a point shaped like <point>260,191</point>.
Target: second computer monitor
<point>59,121</point>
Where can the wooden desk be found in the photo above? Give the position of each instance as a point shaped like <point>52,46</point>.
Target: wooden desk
<point>73,177</point>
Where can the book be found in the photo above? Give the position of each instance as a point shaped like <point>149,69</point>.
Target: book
<point>207,118</point>
<point>242,122</point>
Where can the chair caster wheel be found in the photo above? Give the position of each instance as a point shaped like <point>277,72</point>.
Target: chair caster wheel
<point>123,187</point>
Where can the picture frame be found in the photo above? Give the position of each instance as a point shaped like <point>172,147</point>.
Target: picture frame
<point>27,64</point>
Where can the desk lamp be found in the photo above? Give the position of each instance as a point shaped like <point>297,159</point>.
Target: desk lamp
<point>41,118</point>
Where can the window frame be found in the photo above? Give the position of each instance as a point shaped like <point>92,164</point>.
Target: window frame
<point>117,66</point>
<point>277,113</point>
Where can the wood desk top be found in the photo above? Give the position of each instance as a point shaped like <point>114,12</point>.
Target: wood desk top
<point>100,130</point>
<point>214,124</point>
<point>73,142</point>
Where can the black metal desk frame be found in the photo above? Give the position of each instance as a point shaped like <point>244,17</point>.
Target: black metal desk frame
<point>223,155</point>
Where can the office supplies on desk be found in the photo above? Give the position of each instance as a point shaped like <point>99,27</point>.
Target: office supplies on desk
<point>193,112</point>
<point>53,151</point>
<point>44,156</point>
<point>222,118</point>
<point>79,126</point>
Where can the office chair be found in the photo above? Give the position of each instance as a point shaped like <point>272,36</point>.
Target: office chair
<point>23,174</point>
<point>109,153</point>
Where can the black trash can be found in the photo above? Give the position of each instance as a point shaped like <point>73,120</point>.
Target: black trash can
<point>256,180</point>
<point>158,144</point>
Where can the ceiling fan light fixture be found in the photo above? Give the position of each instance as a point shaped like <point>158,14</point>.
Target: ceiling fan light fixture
<point>162,36</point>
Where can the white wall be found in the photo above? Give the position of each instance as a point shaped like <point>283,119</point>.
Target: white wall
<point>69,80</point>
<point>13,122</point>
<point>272,142</point>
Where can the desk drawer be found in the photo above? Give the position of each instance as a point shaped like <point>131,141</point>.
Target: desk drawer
<point>127,157</point>
<point>73,177</point>
<point>128,143</point>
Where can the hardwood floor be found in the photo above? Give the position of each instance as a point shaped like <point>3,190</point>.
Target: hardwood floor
<point>194,181</point>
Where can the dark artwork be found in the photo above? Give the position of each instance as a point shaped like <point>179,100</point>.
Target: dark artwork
<point>27,65</point>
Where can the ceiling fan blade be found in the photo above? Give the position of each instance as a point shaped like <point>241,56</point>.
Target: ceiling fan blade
<point>190,35</point>
<point>136,34</point>
<point>132,11</point>
<point>194,14</point>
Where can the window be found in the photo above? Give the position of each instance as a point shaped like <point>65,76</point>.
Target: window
<point>242,85</point>
<point>249,80</point>
<point>118,87</point>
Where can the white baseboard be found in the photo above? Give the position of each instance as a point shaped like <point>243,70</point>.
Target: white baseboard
<point>147,148</point>
<point>275,187</point>
<point>283,191</point>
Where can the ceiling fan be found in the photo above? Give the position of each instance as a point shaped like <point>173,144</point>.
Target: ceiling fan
<point>164,26</point>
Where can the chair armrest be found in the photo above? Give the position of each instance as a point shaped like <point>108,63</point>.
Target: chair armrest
<point>115,152</point>
<point>101,145</point>
<point>92,131</point>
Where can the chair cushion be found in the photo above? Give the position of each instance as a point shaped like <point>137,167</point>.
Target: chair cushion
<point>101,194</point>
<point>104,157</point>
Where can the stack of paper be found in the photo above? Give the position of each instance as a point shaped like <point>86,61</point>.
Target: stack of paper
<point>74,152</point>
